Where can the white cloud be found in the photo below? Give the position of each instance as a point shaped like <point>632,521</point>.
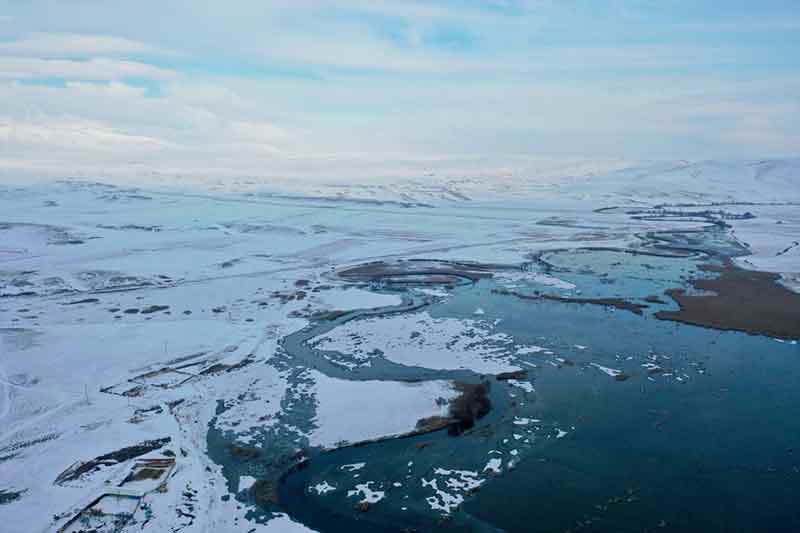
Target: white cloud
<point>257,132</point>
<point>102,69</point>
<point>382,92</point>
<point>72,133</point>
<point>66,45</point>
<point>280,128</point>
<point>106,127</point>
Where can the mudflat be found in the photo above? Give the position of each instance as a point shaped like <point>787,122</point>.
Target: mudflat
<point>743,300</point>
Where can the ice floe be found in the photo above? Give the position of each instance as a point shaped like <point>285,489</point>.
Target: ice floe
<point>352,467</point>
<point>456,483</point>
<point>493,465</point>
<point>613,372</point>
<point>245,482</point>
<point>323,488</point>
<point>367,493</point>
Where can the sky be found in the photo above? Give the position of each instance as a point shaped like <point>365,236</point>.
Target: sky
<point>304,87</point>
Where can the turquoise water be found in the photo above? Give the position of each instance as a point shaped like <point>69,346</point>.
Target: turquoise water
<point>711,442</point>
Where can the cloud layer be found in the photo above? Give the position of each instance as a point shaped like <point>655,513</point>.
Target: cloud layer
<point>295,88</point>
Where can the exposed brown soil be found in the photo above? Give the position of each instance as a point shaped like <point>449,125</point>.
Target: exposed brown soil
<point>85,301</point>
<point>244,453</point>
<point>432,423</point>
<point>618,303</point>
<point>217,368</point>
<point>517,374</point>
<point>8,495</point>
<point>472,404</point>
<point>362,506</point>
<point>422,280</point>
<point>288,296</point>
<point>442,271</point>
<point>154,309</point>
<point>329,315</point>
<point>265,492</point>
<point>744,300</point>
<point>145,473</point>
<point>121,455</point>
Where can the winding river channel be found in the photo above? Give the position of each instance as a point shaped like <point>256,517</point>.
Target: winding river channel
<point>623,421</point>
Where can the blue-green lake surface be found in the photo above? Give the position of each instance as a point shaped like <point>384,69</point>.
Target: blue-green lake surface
<point>624,422</point>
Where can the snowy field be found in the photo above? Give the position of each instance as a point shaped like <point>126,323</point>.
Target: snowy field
<point>127,313</point>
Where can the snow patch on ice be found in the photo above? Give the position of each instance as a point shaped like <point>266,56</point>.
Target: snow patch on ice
<point>613,372</point>
<point>368,495</point>
<point>352,467</point>
<point>245,482</point>
<point>527,386</point>
<point>493,465</point>
<point>526,350</point>
<point>323,488</point>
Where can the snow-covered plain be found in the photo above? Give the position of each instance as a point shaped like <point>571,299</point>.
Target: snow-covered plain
<point>126,313</point>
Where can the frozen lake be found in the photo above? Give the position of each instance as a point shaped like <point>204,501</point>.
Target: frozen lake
<point>536,354</point>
